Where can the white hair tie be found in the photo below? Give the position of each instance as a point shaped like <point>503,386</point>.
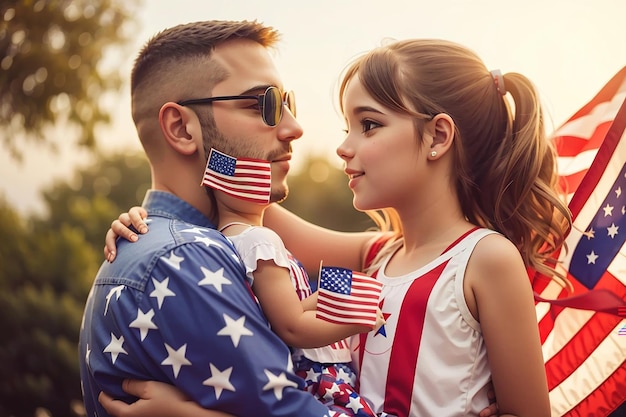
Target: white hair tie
<point>498,80</point>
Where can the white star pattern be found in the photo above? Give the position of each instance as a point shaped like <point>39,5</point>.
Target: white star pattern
<point>195,230</point>
<point>612,230</point>
<point>207,241</point>
<point>161,291</point>
<point>236,258</point>
<point>590,234</point>
<point>354,404</point>
<point>216,278</point>
<point>173,261</point>
<point>117,291</point>
<point>220,380</point>
<point>311,375</point>
<point>618,192</point>
<point>328,395</point>
<point>591,258</point>
<point>608,210</point>
<point>277,383</point>
<point>234,329</point>
<point>143,322</point>
<point>115,347</point>
<point>176,358</point>
<point>341,374</point>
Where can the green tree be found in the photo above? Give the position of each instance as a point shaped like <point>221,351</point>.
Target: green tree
<point>47,266</point>
<point>97,194</point>
<point>44,279</point>
<point>51,65</point>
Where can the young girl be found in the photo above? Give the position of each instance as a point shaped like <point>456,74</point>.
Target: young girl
<point>453,162</point>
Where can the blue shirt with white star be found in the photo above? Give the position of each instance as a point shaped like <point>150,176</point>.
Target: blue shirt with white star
<point>175,307</point>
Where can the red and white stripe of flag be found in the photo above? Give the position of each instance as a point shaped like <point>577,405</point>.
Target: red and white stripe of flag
<point>250,181</point>
<point>585,354</point>
<point>359,305</point>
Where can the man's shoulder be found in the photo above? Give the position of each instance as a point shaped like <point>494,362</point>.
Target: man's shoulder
<point>169,239</point>
<point>171,232</point>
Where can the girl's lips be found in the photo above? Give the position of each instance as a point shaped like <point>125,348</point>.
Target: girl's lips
<point>351,173</point>
<point>354,179</point>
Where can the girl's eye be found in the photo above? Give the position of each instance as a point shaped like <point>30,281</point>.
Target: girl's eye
<point>369,125</point>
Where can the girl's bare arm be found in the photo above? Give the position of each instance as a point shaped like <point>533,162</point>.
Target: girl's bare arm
<point>308,242</point>
<point>311,243</point>
<point>501,298</point>
<point>285,312</point>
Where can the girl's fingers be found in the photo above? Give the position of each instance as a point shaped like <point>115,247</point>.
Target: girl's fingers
<point>136,216</point>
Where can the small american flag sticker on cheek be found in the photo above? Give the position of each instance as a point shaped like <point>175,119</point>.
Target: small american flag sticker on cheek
<point>347,297</point>
<point>245,178</point>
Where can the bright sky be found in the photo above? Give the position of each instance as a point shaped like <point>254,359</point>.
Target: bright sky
<point>568,48</point>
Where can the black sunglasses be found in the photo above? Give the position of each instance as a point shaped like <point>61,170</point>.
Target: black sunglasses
<point>270,103</point>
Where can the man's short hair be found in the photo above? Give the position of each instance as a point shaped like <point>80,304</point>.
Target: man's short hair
<point>166,59</point>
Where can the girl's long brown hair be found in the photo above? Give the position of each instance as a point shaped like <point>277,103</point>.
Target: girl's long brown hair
<point>505,166</point>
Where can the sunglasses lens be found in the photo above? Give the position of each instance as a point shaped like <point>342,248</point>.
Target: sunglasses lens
<point>291,102</point>
<point>272,106</point>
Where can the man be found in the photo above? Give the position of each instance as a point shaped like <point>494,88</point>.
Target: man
<point>175,307</point>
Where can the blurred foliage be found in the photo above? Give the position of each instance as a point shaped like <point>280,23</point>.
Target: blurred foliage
<point>52,66</point>
<point>44,279</point>
<point>46,269</point>
<point>97,195</point>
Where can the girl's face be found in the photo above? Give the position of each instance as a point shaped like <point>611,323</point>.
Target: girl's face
<point>384,160</point>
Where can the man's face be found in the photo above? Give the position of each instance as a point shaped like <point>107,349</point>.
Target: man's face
<point>239,128</point>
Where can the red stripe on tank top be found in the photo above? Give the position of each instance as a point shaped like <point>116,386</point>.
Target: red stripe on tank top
<point>399,386</point>
<point>409,350</point>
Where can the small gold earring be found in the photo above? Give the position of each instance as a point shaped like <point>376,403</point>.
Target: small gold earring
<point>433,154</point>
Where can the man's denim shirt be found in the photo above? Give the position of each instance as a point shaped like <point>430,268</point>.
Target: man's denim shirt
<point>175,307</point>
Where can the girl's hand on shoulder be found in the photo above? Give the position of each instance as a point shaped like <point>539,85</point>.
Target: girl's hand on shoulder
<point>121,228</point>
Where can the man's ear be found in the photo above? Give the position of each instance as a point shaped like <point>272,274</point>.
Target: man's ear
<point>181,128</point>
<point>442,133</point>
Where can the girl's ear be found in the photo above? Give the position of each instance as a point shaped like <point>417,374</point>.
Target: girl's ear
<point>180,127</point>
<point>441,129</point>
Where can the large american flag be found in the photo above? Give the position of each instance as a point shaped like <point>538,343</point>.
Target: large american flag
<point>585,349</point>
<point>347,297</point>
<point>244,178</point>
